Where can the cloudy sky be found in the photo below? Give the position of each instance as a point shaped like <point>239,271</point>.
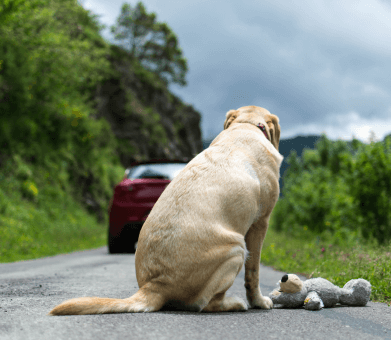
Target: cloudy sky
<point>319,65</point>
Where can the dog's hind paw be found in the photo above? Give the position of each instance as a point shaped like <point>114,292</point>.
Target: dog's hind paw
<point>227,304</point>
<point>237,304</point>
<point>263,302</point>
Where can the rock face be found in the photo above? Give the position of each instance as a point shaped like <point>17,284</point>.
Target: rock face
<point>148,121</point>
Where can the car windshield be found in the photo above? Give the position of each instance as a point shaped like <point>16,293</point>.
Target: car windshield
<point>163,171</point>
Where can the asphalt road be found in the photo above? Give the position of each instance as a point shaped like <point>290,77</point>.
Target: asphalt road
<point>30,289</point>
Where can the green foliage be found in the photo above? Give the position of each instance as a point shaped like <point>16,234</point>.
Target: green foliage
<point>8,7</point>
<point>29,189</point>
<point>317,202</point>
<point>52,55</point>
<point>52,58</point>
<point>371,189</point>
<point>55,155</point>
<point>39,216</point>
<point>153,43</point>
<point>340,191</point>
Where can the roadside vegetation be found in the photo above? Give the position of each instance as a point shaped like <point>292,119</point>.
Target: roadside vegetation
<point>59,160</point>
<point>40,215</point>
<point>334,217</point>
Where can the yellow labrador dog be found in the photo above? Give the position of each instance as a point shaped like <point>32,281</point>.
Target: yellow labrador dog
<point>208,222</point>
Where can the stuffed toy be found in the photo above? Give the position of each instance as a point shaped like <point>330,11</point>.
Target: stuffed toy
<point>317,293</point>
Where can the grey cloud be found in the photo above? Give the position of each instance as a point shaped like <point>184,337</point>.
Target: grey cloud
<point>304,61</point>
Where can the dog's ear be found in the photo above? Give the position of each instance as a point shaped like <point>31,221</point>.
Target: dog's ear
<point>274,129</point>
<point>230,117</point>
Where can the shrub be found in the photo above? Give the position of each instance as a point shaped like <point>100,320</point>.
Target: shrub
<point>340,190</point>
<point>370,186</point>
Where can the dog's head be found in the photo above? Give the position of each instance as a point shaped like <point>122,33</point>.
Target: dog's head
<point>256,115</point>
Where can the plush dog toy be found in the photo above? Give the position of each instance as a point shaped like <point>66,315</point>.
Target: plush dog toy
<point>317,293</point>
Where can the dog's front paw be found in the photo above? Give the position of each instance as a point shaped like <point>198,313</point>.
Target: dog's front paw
<point>263,302</point>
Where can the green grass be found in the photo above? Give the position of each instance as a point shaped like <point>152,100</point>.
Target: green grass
<point>313,257</point>
<point>39,215</point>
<point>28,233</point>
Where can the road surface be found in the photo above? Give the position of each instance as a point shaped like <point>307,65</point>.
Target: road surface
<point>30,289</point>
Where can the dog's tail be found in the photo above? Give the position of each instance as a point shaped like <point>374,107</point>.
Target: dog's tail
<point>143,301</point>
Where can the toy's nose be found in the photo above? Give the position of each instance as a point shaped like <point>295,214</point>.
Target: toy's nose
<point>284,278</point>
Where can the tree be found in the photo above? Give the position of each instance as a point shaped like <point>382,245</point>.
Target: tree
<point>153,43</point>
<point>8,7</point>
<point>52,57</point>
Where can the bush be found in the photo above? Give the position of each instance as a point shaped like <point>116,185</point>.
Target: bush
<point>340,191</point>
<point>370,186</point>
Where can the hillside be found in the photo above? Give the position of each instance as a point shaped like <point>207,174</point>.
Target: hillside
<point>148,121</point>
<point>68,97</point>
<point>75,111</point>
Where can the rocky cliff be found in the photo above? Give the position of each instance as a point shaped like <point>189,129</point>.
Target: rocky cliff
<point>148,121</point>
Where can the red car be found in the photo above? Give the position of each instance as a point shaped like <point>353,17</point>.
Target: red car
<point>134,198</point>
